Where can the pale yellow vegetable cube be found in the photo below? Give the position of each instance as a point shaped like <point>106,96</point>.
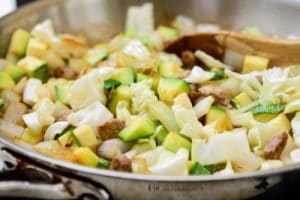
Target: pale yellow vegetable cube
<point>255,63</point>
<point>86,136</point>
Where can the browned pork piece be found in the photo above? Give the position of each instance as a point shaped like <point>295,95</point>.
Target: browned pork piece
<point>110,129</point>
<point>275,146</point>
<point>121,163</point>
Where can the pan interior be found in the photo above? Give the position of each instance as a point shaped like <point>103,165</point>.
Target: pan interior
<point>99,20</point>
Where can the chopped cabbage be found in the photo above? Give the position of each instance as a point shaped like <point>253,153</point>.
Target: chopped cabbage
<point>230,146</point>
<point>30,95</point>
<point>187,120</point>
<point>271,164</point>
<point>292,106</point>
<point>89,88</point>
<point>260,134</point>
<point>295,155</point>
<point>137,49</point>
<point>122,111</point>
<point>142,95</point>
<point>167,57</point>
<point>165,163</point>
<point>140,19</point>
<point>94,115</point>
<point>295,123</point>
<point>44,31</point>
<point>55,129</point>
<point>198,75</point>
<point>32,122</point>
<point>210,61</point>
<point>184,24</point>
<point>44,109</point>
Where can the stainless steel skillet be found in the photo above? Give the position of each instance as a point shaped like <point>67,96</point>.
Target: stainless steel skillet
<point>99,20</point>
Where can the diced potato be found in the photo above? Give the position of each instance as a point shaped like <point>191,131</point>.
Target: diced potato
<point>86,136</point>
<point>255,63</point>
<point>31,138</point>
<point>86,156</point>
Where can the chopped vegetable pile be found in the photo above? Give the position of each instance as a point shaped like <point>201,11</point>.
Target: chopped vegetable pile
<point>127,105</point>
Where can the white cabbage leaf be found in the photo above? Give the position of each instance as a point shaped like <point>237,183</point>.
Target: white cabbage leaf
<point>55,129</point>
<point>210,61</point>
<point>261,133</point>
<point>123,112</point>
<point>94,115</point>
<point>44,31</point>
<point>295,123</point>
<point>40,117</point>
<point>184,24</point>
<point>141,19</point>
<point>30,95</point>
<point>165,163</point>
<point>203,105</point>
<point>271,164</point>
<point>198,75</point>
<point>142,95</point>
<point>89,88</point>
<point>168,57</point>
<point>292,106</point>
<point>295,155</point>
<point>187,120</point>
<point>230,146</point>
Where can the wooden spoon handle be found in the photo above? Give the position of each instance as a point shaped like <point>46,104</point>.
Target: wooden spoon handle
<point>280,52</point>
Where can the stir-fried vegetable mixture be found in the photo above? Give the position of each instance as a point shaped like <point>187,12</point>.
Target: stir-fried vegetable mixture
<point>129,106</point>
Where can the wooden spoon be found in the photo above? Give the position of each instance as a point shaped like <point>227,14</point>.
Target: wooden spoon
<point>280,52</point>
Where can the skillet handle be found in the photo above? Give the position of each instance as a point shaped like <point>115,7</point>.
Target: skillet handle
<point>19,179</point>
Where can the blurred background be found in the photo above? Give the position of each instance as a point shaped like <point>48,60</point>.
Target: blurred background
<point>7,6</point>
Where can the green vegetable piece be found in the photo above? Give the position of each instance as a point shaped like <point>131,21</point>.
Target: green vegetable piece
<point>68,139</point>
<point>160,134</point>
<point>140,77</point>
<point>95,56</point>
<point>198,169</point>
<point>141,127</point>
<point>155,80</point>
<point>169,88</point>
<point>122,93</point>
<point>19,42</point>
<point>68,129</point>
<point>111,83</point>
<point>165,115</point>
<point>215,167</point>
<point>42,73</point>
<point>35,67</point>
<point>6,82</point>
<point>268,108</point>
<point>102,163</point>
<point>62,93</point>
<point>1,103</point>
<point>234,103</point>
<point>220,116</point>
<point>173,142</point>
<point>125,75</point>
<point>218,74</point>
<point>143,145</point>
<point>15,72</point>
<point>190,165</point>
